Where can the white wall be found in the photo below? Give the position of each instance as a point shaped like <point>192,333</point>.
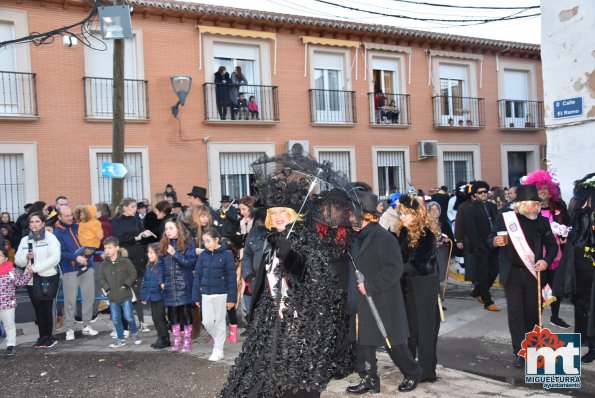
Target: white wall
<point>568,65</point>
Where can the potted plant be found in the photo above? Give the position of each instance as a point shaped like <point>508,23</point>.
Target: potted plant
<point>461,122</point>
<point>529,122</point>
<point>469,123</point>
<point>451,121</point>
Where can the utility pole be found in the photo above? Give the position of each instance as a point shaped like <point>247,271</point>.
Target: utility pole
<point>118,135</point>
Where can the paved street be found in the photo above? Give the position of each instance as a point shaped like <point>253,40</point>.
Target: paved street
<point>474,354</point>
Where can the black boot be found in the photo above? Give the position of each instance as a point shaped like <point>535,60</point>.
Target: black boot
<point>589,356</point>
<point>367,384</point>
<point>156,343</point>
<point>408,385</point>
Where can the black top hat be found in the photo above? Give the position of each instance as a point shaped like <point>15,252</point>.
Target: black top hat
<point>199,192</point>
<point>225,198</point>
<point>368,202</point>
<point>140,205</point>
<point>527,192</point>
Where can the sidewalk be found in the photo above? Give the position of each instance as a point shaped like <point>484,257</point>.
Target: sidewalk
<point>451,383</point>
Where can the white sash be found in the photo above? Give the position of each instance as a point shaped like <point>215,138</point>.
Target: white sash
<point>517,237</point>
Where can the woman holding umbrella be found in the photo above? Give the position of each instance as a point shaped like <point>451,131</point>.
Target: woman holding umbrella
<point>297,308</point>
<point>418,238</point>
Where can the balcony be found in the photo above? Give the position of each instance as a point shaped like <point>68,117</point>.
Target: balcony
<point>99,99</point>
<point>520,115</point>
<point>18,95</point>
<point>221,102</point>
<point>393,113</point>
<point>332,107</point>
<point>458,112</point>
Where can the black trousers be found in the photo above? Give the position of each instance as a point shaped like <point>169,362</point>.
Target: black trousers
<point>44,314</point>
<point>421,304</point>
<point>181,314</point>
<point>521,300</point>
<point>367,364</point>
<point>138,306</point>
<point>486,271</point>
<point>158,316</point>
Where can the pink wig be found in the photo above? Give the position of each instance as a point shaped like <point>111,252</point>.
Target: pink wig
<point>541,178</point>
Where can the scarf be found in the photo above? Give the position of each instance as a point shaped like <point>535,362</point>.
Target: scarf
<point>37,236</point>
<point>6,267</point>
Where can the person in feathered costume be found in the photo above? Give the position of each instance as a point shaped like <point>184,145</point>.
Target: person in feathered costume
<point>576,272</point>
<point>554,209</point>
<point>298,317</point>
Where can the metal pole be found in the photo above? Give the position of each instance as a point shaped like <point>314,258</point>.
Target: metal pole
<point>118,141</point>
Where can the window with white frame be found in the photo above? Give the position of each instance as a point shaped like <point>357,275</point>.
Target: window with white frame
<point>391,173</point>
<point>330,102</point>
<point>237,177</point>
<point>12,183</point>
<point>17,84</point>
<point>516,94</point>
<point>99,80</point>
<point>457,166</point>
<point>133,181</point>
<point>453,90</point>
<point>341,161</point>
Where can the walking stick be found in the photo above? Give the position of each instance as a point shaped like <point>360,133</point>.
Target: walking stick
<point>539,296</point>
<point>447,266</point>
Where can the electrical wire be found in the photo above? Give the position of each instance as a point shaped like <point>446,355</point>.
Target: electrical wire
<point>85,37</point>
<point>467,22</point>
<point>465,7</point>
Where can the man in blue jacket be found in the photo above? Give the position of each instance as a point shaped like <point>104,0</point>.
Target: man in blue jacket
<point>67,233</point>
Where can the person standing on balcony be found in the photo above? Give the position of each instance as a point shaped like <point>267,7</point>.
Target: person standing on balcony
<point>222,93</point>
<point>237,79</point>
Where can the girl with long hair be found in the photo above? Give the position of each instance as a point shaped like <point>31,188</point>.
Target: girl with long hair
<point>418,238</point>
<point>176,262</point>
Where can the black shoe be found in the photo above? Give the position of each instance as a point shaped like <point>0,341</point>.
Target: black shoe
<point>408,385</point>
<point>589,356</point>
<point>156,343</point>
<point>559,322</point>
<point>9,351</point>
<point>39,342</point>
<point>364,386</point>
<point>518,362</point>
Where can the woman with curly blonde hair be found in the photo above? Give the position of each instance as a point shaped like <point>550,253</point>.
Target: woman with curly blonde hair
<point>418,238</point>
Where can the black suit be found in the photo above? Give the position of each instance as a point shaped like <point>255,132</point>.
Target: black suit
<point>481,217</point>
<point>520,285</point>
<point>379,259</point>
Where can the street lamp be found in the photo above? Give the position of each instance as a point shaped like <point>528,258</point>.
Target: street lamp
<point>115,22</point>
<point>181,85</point>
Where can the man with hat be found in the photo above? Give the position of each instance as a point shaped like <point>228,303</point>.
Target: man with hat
<point>481,216</point>
<point>377,255</point>
<point>230,219</point>
<point>521,255</point>
<point>198,197</point>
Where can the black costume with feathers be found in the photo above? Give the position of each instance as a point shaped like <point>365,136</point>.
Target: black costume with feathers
<point>304,348</point>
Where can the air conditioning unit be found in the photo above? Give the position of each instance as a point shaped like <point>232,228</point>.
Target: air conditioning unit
<point>427,149</point>
<point>298,147</point>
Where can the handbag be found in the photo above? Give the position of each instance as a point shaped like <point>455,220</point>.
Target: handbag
<point>46,287</point>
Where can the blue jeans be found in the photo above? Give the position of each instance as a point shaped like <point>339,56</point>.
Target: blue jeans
<point>116,310</point>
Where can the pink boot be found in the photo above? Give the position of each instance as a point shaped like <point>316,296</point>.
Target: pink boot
<point>187,338</point>
<point>177,337</point>
<point>233,331</point>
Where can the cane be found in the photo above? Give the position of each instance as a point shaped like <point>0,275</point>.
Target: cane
<point>539,296</point>
<point>447,267</point>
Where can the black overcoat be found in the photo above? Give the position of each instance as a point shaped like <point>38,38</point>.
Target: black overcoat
<point>379,259</point>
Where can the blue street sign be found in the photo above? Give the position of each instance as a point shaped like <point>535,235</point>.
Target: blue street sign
<point>113,170</point>
<point>570,107</point>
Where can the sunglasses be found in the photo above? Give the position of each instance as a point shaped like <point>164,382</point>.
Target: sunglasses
<point>481,192</point>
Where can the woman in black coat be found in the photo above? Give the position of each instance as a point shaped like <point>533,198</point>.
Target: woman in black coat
<point>417,234</point>
<point>223,93</point>
<point>132,236</point>
<point>377,256</point>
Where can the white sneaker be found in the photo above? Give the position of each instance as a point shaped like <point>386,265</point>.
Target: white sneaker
<point>137,339</point>
<point>143,327</point>
<point>117,344</point>
<point>216,356</point>
<point>89,331</point>
<point>70,334</point>
<point>114,334</point>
